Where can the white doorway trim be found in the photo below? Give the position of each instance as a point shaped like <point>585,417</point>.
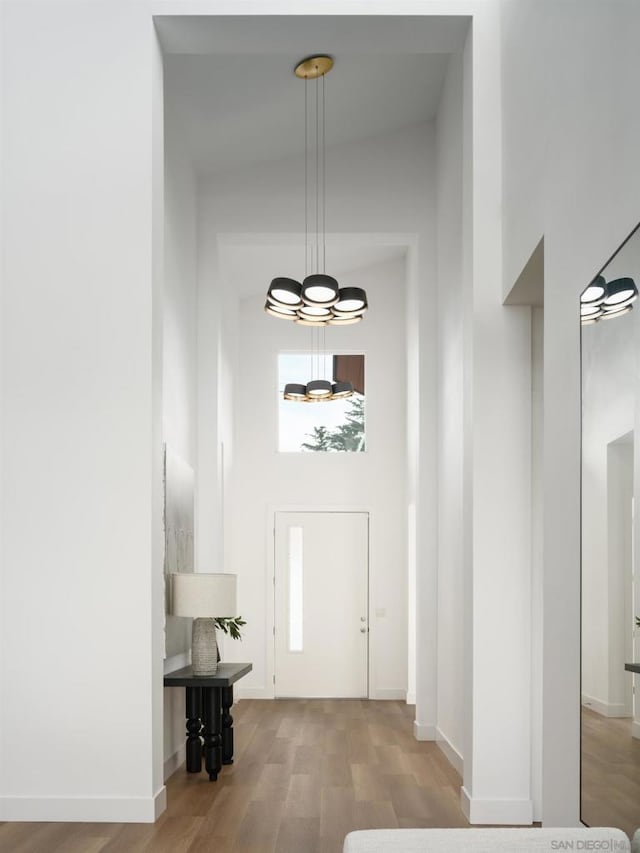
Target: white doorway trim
<point>272,509</point>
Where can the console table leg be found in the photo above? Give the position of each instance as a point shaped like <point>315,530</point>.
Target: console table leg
<point>212,738</point>
<point>227,725</point>
<point>194,724</point>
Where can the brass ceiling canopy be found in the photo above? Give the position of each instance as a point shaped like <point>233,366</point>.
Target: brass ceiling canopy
<point>313,67</point>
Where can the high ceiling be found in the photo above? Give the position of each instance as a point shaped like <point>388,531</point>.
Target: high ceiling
<point>232,97</point>
<point>231,110</point>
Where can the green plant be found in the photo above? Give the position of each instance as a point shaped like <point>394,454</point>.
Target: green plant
<point>230,625</point>
<point>320,439</point>
<point>347,436</point>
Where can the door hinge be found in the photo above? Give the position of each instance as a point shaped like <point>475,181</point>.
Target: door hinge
<point>274,679</point>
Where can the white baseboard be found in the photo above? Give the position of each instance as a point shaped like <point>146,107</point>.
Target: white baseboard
<point>84,809</point>
<point>496,812</point>
<point>453,756</point>
<point>423,732</point>
<point>381,693</point>
<point>606,709</point>
<point>635,729</point>
<point>174,761</point>
<point>384,693</point>
<point>411,698</point>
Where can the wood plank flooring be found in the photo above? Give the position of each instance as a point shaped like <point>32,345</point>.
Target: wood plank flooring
<point>610,773</point>
<point>306,773</point>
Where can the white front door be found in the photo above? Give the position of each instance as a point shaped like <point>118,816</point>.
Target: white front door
<point>321,604</point>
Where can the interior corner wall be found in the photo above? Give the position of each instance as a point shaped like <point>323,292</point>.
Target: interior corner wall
<point>570,174</point>
<point>81,388</point>
<point>497,708</point>
<point>180,372</point>
<point>383,185</point>
<point>208,521</point>
<point>451,530</point>
<point>412,325</point>
<point>262,479</point>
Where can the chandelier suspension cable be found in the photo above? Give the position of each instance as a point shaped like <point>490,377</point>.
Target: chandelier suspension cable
<point>319,300</point>
<point>324,184</point>
<point>317,266</point>
<point>306,184</point>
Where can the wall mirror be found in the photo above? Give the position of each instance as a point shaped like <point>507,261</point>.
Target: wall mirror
<point>610,731</point>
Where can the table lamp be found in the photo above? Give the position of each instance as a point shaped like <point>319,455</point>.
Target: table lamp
<point>204,597</point>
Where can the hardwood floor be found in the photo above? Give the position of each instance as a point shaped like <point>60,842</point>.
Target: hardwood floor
<point>610,773</point>
<point>306,773</point>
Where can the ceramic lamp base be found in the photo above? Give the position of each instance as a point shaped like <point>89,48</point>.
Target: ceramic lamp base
<point>204,647</point>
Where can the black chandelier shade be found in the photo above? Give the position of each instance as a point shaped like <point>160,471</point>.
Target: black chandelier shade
<point>616,312</point>
<point>595,293</point>
<point>295,391</point>
<point>341,389</point>
<point>620,290</point>
<point>285,291</point>
<point>320,289</point>
<point>604,300</point>
<point>276,310</point>
<point>349,320</point>
<point>290,300</point>
<point>352,301</point>
<point>317,391</point>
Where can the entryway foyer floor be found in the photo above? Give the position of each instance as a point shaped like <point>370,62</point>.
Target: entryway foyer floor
<point>306,772</point>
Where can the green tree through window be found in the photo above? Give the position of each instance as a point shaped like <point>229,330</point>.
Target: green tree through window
<point>349,436</point>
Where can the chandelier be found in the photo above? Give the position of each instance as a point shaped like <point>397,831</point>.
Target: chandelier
<point>319,300</point>
<point>604,300</point>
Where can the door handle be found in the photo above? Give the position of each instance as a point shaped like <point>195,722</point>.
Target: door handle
<point>363,630</point>
<point>363,618</point>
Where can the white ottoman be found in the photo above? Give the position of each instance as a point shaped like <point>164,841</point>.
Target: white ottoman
<point>473,840</point>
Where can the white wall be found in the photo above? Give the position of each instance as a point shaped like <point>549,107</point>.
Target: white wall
<point>569,173</point>
<point>497,788</point>
<point>180,310</point>
<point>570,141</point>
<point>451,531</point>
<point>378,191</point>
<point>263,479</point>
<point>179,392</point>
<point>81,458</point>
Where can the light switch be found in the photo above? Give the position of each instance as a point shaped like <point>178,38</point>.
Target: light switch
<point>381,611</point>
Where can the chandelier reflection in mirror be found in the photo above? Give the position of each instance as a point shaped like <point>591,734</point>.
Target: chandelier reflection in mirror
<point>319,300</point>
<point>318,390</point>
<point>604,300</point>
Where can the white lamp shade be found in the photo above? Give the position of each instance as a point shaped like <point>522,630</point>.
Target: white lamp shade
<point>199,594</point>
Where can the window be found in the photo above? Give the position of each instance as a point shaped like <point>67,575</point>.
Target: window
<point>335,426</point>
<point>296,595</point>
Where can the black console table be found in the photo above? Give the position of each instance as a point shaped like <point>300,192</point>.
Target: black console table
<point>209,699</point>
<point>632,667</point>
